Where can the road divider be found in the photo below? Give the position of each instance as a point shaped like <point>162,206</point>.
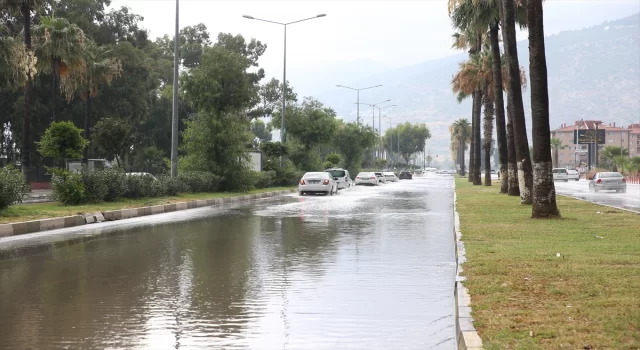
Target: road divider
<point>20,228</point>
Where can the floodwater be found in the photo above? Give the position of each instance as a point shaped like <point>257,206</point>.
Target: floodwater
<point>580,189</point>
<point>369,268</point>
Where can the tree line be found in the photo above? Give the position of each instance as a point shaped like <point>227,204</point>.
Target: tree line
<point>485,77</point>
<point>76,61</point>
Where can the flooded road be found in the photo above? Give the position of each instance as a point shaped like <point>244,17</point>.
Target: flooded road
<point>580,189</point>
<point>369,268</point>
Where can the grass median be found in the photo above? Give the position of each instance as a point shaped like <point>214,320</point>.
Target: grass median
<point>27,212</point>
<point>525,296</point>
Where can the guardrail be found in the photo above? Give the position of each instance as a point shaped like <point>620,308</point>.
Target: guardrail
<point>633,179</point>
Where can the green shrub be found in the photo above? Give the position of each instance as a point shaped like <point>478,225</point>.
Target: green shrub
<point>265,179</point>
<point>95,186</point>
<point>12,186</point>
<point>116,182</point>
<point>138,186</point>
<point>68,187</point>
<point>200,181</point>
<point>171,186</point>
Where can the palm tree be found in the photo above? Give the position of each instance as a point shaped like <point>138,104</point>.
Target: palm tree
<point>460,132</point>
<point>544,199</point>
<point>609,153</point>
<point>26,7</point>
<point>620,162</point>
<point>100,67</point>
<point>61,44</point>
<point>471,38</point>
<point>557,145</point>
<point>525,171</point>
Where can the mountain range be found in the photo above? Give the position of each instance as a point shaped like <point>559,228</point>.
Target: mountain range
<point>593,73</point>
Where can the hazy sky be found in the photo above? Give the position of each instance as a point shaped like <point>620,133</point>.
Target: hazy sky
<point>382,33</point>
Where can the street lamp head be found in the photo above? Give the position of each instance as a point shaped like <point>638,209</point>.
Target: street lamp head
<point>321,15</point>
<point>247,16</point>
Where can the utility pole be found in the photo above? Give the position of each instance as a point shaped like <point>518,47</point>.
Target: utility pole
<point>174,114</point>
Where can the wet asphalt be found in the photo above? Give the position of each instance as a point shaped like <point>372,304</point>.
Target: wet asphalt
<point>369,268</point>
<point>580,189</point>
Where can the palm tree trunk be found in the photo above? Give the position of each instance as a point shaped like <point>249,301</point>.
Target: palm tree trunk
<point>488,132</point>
<point>525,176</point>
<point>471,151</point>
<point>461,147</point>
<point>26,119</point>
<point>513,188</point>
<point>53,90</point>
<point>87,130</point>
<point>544,194</point>
<point>477,148</point>
<point>501,132</point>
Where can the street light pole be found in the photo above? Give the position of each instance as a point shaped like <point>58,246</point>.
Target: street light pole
<point>284,75</point>
<point>358,99</point>
<point>174,116</point>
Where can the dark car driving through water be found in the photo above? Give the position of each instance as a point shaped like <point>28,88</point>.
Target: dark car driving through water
<point>405,175</point>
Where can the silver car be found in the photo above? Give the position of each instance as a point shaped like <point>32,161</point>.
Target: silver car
<point>317,182</point>
<point>341,177</point>
<point>390,176</point>
<point>608,181</point>
<point>367,178</point>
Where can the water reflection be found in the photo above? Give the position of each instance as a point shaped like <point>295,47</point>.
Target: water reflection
<point>367,269</point>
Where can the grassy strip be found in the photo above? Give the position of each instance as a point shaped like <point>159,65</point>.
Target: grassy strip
<point>525,297</point>
<point>27,212</point>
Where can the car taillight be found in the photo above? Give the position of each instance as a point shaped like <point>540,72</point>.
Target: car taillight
<point>357,177</point>
<point>599,181</point>
<point>624,180</point>
<point>302,182</point>
<point>326,182</point>
<point>373,178</point>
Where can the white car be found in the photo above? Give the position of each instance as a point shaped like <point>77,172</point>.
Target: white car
<point>341,177</point>
<point>317,182</point>
<point>367,179</point>
<point>381,178</point>
<point>390,176</point>
<point>560,174</point>
<point>142,174</point>
<point>573,174</point>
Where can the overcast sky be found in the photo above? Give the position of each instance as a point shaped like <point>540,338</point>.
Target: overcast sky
<point>381,34</point>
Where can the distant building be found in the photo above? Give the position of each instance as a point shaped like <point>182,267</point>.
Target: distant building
<point>582,155</point>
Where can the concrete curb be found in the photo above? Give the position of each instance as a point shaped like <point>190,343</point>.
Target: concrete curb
<point>466,333</point>
<point>20,228</point>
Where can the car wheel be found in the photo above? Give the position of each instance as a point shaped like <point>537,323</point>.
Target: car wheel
<point>301,193</point>
<point>624,190</point>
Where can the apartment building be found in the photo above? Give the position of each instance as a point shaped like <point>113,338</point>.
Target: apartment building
<point>577,155</point>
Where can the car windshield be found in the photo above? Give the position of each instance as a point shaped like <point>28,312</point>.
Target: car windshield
<point>609,175</point>
<point>378,174</point>
<point>404,172</point>
<point>315,175</point>
<point>337,173</point>
<point>560,171</point>
<point>365,174</point>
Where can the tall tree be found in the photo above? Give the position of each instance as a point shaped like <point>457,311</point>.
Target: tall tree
<point>460,132</point>
<point>544,193</point>
<point>557,145</point>
<point>501,130</point>
<point>525,176</point>
<point>513,184</point>
<point>60,45</point>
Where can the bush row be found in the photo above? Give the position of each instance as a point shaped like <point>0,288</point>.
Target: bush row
<point>94,186</point>
<point>13,187</point>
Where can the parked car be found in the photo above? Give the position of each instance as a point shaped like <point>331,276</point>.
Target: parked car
<point>608,181</point>
<point>142,174</point>
<point>405,175</point>
<point>418,172</point>
<point>573,174</point>
<point>317,182</point>
<point>560,174</point>
<point>381,178</point>
<point>341,177</point>
<point>367,178</point>
<point>390,176</point>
